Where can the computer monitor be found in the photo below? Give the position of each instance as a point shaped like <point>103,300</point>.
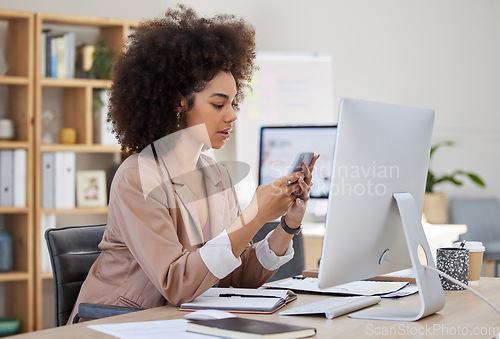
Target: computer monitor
<point>376,201</point>
<point>280,144</point>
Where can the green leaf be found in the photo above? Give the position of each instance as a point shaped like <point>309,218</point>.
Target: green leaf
<point>476,179</point>
<point>439,144</point>
<point>450,179</point>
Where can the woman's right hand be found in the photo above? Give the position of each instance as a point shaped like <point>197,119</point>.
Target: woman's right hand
<point>268,203</point>
<point>271,201</point>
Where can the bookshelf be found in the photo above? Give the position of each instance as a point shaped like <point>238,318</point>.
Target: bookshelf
<point>70,104</point>
<point>16,104</point>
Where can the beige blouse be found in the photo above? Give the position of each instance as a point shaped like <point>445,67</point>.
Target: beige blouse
<point>152,249</point>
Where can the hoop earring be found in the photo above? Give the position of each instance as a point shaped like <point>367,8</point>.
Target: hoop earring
<point>178,118</point>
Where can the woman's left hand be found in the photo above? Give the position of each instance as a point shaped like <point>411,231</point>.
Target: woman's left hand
<point>297,208</point>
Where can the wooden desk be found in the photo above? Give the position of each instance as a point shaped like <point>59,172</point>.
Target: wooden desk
<point>464,315</point>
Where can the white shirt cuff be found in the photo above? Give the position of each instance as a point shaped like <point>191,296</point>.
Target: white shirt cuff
<point>268,259</point>
<point>218,256</point>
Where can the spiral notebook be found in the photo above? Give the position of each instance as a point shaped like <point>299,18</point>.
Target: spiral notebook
<point>241,300</point>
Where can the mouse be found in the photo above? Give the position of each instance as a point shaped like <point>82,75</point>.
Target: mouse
<point>209,315</point>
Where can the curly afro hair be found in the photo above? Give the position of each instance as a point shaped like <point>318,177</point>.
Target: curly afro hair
<point>170,58</point>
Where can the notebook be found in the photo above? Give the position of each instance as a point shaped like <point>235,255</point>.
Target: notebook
<point>242,300</point>
<point>249,328</point>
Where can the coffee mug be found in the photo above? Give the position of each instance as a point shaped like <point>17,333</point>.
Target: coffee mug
<point>453,261</point>
<point>476,251</point>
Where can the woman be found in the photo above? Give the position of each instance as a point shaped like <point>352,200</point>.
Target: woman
<point>174,228</point>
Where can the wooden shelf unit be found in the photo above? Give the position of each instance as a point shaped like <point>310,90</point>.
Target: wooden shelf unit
<point>77,112</point>
<point>19,85</point>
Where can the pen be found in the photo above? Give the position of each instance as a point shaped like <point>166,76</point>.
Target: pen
<point>229,295</point>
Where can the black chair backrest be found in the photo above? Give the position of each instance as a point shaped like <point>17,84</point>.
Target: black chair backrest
<point>294,266</point>
<point>72,251</point>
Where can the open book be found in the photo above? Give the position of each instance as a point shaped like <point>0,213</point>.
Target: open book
<point>242,300</point>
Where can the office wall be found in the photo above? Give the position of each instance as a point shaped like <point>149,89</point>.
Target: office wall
<point>440,54</point>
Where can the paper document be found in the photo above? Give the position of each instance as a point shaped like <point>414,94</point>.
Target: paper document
<point>352,288</point>
<point>160,329</point>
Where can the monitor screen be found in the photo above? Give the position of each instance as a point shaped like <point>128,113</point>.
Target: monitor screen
<point>280,144</point>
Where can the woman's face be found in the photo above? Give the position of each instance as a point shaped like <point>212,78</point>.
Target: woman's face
<point>214,106</point>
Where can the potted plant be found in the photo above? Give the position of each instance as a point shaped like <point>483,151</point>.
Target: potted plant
<point>435,202</point>
<point>102,65</point>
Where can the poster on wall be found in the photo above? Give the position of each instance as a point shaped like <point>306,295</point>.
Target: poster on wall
<point>289,89</point>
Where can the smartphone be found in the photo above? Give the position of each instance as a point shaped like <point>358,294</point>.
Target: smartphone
<point>299,159</point>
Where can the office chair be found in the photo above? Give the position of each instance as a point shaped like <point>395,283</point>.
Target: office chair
<point>72,251</point>
<point>294,266</point>
<point>482,217</point>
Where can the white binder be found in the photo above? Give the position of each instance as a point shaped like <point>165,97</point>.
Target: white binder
<point>6,181</point>
<point>47,221</point>
<point>48,180</point>
<point>19,184</point>
<point>64,180</point>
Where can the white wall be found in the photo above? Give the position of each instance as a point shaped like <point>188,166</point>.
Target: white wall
<point>440,54</point>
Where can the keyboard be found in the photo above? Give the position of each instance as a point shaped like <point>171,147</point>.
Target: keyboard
<point>334,307</point>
